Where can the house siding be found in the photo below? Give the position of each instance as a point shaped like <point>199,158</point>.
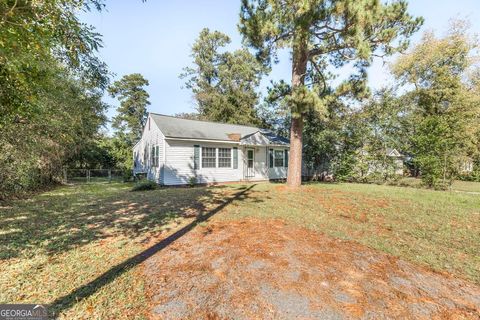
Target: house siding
<point>260,163</point>
<point>176,160</point>
<point>179,165</point>
<point>278,172</point>
<point>152,136</point>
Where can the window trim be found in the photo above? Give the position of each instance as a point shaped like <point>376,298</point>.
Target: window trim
<point>218,158</point>
<point>215,157</point>
<point>155,156</point>
<point>275,151</point>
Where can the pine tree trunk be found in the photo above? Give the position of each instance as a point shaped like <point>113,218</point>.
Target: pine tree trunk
<point>299,68</point>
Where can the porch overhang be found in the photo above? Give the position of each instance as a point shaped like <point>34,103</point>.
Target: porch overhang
<point>265,139</point>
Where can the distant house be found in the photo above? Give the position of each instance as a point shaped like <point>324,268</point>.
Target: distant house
<point>174,151</point>
<point>397,159</point>
<point>466,166</point>
<point>391,163</point>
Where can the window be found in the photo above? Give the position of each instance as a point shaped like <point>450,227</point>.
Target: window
<point>278,158</point>
<point>154,156</point>
<point>208,157</point>
<point>145,155</point>
<point>224,157</point>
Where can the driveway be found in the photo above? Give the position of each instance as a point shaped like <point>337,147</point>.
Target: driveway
<point>266,269</point>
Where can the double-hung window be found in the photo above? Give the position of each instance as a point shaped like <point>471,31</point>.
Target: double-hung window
<point>224,157</point>
<point>154,156</point>
<point>209,157</point>
<point>278,158</point>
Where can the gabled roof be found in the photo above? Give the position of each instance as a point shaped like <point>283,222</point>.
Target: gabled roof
<point>393,153</point>
<point>173,127</point>
<point>264,137</point>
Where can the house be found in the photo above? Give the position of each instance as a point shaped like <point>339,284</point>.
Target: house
<point>175,151</point>
<point>397,160</point>
<point>466,166</point>
<point>390,162</point>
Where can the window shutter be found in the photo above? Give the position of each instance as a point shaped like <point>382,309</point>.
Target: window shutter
<point>157,155</point>
<point>235,158</point>
<point>270,151</point>
<point>196,157</point>
<point>286,158</point>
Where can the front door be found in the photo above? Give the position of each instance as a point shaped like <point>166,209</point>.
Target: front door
<point>250,164</point>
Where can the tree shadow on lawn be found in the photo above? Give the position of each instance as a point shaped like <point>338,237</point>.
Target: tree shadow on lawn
<point>63,303</point>
<point>70,217</point>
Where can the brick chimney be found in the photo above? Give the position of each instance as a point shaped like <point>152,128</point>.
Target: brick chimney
<point>234,136</point>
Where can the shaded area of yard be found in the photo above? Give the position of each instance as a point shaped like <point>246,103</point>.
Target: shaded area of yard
<point>79,246</point>
<point>266,269</point>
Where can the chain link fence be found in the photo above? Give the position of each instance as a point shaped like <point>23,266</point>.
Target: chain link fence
<point>92,175</point>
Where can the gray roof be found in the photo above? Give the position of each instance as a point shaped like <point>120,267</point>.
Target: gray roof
<point>173,127</point>
<point>264,137</point>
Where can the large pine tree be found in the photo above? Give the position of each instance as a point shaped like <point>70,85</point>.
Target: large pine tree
<point>320,34</point>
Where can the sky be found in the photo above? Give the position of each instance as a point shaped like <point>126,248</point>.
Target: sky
<point>154,38</point>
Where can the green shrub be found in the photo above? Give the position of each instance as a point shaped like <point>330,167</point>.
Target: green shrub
<point>192,181</point>
<point>146,185</point>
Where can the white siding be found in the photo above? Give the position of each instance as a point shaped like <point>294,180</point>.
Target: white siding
<point>278,172</point>
<point>152,136</point>
<point>176,165</point>
<point>260,164</point>
<point>179,164</point>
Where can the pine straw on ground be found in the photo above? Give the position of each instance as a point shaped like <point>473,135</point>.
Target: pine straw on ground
<point>267,269</point>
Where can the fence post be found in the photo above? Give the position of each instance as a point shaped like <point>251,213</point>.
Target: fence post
<point>109,175</point>
<point>88,175</point>
<point>65,179</point>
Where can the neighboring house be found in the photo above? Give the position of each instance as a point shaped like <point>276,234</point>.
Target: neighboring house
<point>174,151</point>
<point>393,163</point>
<point>397,159</point>
<point>466,166</point>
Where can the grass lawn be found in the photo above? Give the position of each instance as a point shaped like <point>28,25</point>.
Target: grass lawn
<point>457,185</point>
<point>466,186</point>
<point>73,247</point>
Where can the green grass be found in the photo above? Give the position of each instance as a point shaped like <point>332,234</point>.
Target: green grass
<point>466,186</point>
<point>440,229</point>
<point>57,242</point>
<point>457,185</point>
<point>61,243</point>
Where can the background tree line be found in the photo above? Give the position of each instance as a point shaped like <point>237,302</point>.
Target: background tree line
<point>51,85</point>
<point>431,115</point>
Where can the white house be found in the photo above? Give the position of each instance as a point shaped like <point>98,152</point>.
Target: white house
<point>174,151</point>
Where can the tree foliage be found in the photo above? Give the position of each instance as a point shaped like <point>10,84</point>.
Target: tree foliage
<point>446,102</point>
<point>50,90</point>
<point>224,84</point>
<point>132,112</point>
<point>130,119</point>
<point>320,34</point>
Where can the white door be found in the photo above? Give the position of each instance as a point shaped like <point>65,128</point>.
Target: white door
<point>249,165</point>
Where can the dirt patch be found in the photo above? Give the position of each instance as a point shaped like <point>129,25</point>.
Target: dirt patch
<point>265,269</point>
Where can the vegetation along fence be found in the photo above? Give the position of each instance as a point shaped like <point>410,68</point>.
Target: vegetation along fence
<point>92,175</point>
